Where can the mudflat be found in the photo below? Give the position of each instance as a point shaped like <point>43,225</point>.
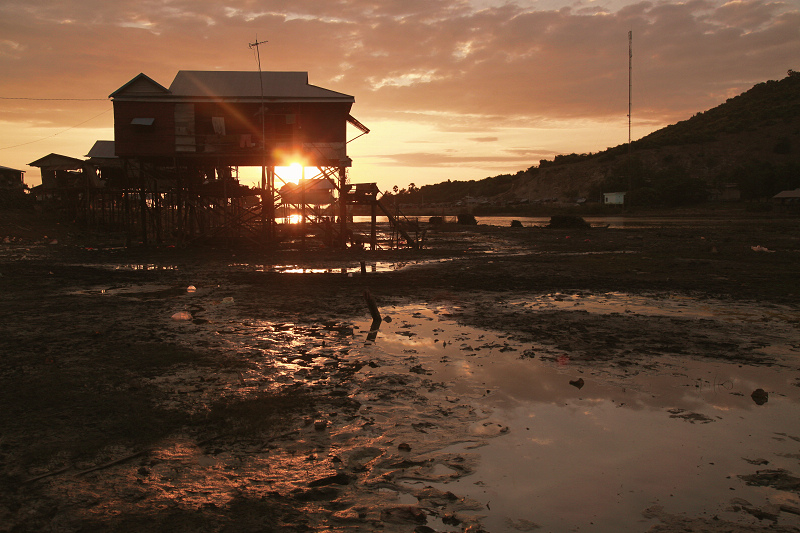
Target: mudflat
<point>604,379</point>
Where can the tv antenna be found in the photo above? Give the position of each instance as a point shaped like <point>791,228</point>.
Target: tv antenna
<point>264,183</point>
<point>260,77</point>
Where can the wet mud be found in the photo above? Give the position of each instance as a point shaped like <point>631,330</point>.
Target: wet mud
<point>522,379</point>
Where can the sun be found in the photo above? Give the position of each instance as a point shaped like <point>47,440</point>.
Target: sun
<point>292,173</point>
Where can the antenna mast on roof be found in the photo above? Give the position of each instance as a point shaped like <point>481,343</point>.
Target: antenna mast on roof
<point>261,84</point>
<point>268,216</point>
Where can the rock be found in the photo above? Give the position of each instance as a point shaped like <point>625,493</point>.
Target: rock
<point>320,425</point>
<point>404,447</point>
<point>577,383</point>
<point>760,396</point>
<point>466,219</point>
<point>568,221</point>
<point>402,514</point>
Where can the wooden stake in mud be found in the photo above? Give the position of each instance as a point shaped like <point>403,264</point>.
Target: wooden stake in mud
<point>376,316</point>
<point>373,309</point>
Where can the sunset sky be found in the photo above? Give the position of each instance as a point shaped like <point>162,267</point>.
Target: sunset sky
<point>451,89</point>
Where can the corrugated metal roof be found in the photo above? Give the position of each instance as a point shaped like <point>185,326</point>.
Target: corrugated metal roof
<point>102,149</point>
<point>244,84</point>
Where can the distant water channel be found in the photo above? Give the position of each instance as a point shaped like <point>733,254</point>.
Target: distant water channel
<point>611,222</point>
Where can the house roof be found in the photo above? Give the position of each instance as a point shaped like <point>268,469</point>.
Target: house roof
<point>231,85</point>
<point>788,194</point>
<point>141,85</point>
<point>9,168</point>
<point>58,162</point>
<point>103,150</point>
<point>245,84</point>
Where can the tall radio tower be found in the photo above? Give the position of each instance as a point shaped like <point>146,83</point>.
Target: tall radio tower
<point>630,84</point>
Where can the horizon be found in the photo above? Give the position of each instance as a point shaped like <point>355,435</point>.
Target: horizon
<point>543,77</point>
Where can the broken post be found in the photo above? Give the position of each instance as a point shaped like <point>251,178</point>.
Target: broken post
<point>373,308</point>
<point>376,315</point>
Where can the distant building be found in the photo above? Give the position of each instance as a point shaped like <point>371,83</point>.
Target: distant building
<point>11,178</point>
<point>614,198</point>
<point>103,158</point>
<point>13,193</point>
<point>787,197</point>
<point>60,171</point>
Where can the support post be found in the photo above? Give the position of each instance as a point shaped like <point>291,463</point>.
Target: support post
<point>373,233</point>
<point>343,206</point>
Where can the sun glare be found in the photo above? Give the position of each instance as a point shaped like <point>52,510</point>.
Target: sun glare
<point>294,219</point>
<point>292,173</point>
<point>251,176</point>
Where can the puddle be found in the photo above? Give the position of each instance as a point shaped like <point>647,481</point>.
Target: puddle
<point>672,306</point>
<point>569,458</point>
<point>453,426</point>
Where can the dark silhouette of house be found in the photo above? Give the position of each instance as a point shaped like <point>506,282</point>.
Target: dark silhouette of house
<point>11,178</point>
<point>179,150</point>
<point>234,119</point>
<point>12,188</point>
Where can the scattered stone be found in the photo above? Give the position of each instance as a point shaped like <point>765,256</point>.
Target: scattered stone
<point>467,220</point>
<point>402,514</point>
<point>760,396</point>
<point>418,369</point>
<point>779,479</point>
<point>689,417</point>
<point>568,221</point>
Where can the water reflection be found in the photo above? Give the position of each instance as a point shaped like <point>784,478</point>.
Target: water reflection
<point>597,456</point>
<point>442,422</point>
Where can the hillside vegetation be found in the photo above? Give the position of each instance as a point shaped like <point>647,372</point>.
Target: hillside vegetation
<point>747,147</point>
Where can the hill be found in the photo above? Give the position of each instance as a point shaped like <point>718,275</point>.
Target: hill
<point>747,147</point>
